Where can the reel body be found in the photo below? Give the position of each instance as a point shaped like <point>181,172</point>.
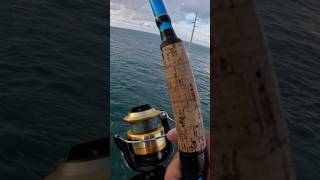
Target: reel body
<point>146,148</point>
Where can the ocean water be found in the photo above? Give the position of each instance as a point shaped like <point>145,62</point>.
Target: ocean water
<point>137,78</point>
<point>293,33</point>
<point>53,57</point>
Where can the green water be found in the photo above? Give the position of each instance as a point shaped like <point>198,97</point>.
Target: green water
<point>137,78</point>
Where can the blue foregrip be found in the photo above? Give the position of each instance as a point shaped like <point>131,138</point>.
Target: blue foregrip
<point>157,7</point>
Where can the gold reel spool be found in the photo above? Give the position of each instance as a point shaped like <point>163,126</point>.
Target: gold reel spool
<point>145,125</point>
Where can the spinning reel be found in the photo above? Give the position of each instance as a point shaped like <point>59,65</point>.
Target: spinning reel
<point>146,148</point>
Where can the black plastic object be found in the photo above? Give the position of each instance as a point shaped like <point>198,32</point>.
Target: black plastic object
<point>90,150</point>
<point>157,174</point>
<point>194,165</point>
<point>168,36</point>
<point>147,163</point>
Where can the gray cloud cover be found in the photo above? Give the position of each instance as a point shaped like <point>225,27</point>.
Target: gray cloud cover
<point>177,8</point>
<point>138,12</point>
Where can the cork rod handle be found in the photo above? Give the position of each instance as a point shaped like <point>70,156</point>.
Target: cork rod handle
<point>184,98</point>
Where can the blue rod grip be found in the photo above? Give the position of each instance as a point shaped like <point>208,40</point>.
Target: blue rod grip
<point>157,7</point>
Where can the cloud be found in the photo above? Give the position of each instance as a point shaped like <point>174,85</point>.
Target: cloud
<point>137,14</point>
<point>182,8</point>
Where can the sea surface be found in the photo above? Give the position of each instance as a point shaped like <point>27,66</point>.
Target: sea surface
<point>137,78</point>
<point>293,32</point>
<point>53,57</point>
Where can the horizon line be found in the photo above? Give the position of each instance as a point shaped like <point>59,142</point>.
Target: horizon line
<point>207,46</point>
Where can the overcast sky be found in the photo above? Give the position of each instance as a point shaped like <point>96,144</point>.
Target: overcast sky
<point>137,15</point>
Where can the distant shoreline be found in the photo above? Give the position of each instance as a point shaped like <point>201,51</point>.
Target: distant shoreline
<point>193,43</point>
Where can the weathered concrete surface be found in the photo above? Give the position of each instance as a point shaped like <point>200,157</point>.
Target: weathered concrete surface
<point>250,136</point>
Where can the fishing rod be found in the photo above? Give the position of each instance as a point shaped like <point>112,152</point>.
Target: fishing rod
<point>184,97</point>
<point>192,33</point>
